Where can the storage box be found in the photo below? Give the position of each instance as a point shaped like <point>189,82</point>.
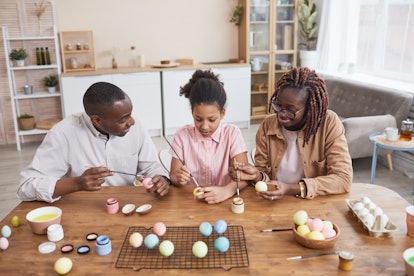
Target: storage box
<point>258,110</point>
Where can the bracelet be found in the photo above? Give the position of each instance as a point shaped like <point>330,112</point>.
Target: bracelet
<point>303,190</point>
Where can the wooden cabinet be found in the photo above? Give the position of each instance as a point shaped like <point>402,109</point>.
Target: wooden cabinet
<point>177,110</point>
<point>268,40</point>
<point>143,88</point>
<point>35,101</point>
<point>78,53</point>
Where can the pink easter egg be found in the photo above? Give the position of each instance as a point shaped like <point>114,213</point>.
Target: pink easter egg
<point>147,183</point>
<point>328,233</point>
<point>159,229</point>
<point>4,243</point>
<point>309,222</point>
<point>316,225</point>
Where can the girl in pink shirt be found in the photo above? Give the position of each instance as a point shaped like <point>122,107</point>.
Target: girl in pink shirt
<point>208,147</point>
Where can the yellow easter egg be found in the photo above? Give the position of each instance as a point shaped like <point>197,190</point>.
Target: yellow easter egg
<point>15,221</point>
<point>197,191</point>
<point>63,265</point>
<point>135,240</point>
<point>303,230</point>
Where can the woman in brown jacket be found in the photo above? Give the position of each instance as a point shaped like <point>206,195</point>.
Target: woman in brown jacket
<point>301,149</point>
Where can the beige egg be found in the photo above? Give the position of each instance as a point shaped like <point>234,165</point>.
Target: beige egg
<point>135,240</point>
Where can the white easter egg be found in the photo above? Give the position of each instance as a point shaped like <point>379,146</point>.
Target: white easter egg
<point>166,248</point>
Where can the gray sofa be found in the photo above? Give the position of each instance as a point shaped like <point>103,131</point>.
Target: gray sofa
<point>365,109</point>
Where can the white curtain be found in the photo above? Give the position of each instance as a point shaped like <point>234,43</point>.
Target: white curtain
<point>337,37</point>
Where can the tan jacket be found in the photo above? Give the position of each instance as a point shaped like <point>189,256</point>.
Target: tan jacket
<point>325,158</point>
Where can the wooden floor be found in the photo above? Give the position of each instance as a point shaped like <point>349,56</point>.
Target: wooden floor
<point>12,161</point>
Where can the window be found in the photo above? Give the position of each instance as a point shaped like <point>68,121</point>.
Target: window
<point>385,45</point>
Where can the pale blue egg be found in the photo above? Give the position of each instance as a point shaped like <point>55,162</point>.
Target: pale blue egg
<point>222,244</point>
<point>220,226</point>
<point>206,229</point>
<point>151,241</point>
<point>6,231</point>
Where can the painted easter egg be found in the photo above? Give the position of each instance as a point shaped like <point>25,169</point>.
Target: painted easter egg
<point>6,231</point>
<point>222,244</point>
<point>166,248</point>
<point>220,226</point>
<point>159,229</point>
<point>151,241</point>
<point>206,229</point>
<point>200,249</point>
<point>135,240</point>
<point>63,265</point>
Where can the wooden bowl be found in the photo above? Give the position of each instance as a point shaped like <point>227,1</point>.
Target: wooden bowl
<point>316,244</point>
<point>40,218</point>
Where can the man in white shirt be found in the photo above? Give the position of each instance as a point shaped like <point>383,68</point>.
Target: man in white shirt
<point>79,153</point>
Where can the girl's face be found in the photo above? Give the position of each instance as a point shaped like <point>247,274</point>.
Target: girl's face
<point>207,118</point>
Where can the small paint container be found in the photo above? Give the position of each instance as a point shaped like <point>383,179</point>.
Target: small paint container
<point>346,260</point>
<point>112,206</point>
<point>103,245</point>
<point>237,206</point>
<point>55,232</point>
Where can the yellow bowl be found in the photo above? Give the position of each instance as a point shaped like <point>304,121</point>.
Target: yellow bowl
<point>316,244</point>
<point>40,218</point>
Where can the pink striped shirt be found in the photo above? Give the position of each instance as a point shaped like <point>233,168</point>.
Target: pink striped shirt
<point>208,159</point>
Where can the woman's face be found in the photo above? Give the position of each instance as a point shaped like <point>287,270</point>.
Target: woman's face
<point>290,105</point>
<point>207,118</point>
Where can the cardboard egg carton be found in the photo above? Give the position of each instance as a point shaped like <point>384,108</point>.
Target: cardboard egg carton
<point>380,226</point>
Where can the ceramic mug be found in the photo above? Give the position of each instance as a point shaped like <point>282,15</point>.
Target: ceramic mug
<point>392,133</point>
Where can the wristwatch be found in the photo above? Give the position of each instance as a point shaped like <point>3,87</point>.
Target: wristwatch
<point>303,189</point>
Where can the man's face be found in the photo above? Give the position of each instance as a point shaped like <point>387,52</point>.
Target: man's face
<point>116,120</point>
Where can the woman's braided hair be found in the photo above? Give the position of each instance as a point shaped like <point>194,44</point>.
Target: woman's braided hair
<point>317,103</point>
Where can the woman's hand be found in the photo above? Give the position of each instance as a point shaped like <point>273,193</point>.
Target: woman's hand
<point>277,192</point>
<point>161,185</point>
<point>245,172</point>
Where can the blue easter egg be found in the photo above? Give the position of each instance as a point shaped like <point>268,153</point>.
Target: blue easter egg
<point>151,241</point>
<point>222,244</point>
<point>6,231</point>
<point>220,226</point>
<point>206,229</point>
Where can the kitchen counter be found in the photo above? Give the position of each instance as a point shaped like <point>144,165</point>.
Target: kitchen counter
<point>150,68</point>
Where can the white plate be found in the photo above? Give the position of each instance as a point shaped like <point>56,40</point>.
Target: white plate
<point>169,65</point>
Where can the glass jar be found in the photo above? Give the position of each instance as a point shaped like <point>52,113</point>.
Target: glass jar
<point>406,131</point>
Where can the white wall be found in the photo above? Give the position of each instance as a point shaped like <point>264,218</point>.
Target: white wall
<point>160,29</point>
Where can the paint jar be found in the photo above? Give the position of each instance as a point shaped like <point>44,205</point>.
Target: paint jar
<point>237,206</point>
<point>346,260</point>
<point>103,245</point>
<point>112,206</point>
<point>55,232</point>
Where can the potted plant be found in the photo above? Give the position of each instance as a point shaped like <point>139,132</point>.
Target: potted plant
<point>51,82</point>
<point>26,122</point>
<point>19,55</point>
<point>237,15</point>
<point>307,16</point>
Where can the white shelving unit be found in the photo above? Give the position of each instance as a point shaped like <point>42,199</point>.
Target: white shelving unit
<point>19,76</point>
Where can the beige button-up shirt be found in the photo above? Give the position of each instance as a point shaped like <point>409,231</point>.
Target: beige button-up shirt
<point>325,158</point>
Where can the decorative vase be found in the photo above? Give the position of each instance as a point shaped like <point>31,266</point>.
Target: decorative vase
<point>26,123</point>
<point>51,89</point>
<point>20,62</point>
<point>308,58</point>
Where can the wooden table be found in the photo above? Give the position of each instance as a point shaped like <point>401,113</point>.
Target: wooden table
<point>84,212</point>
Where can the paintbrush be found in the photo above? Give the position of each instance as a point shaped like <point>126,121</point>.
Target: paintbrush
<point>136,175</point>
<point>237,180</point>
<point>312,255</point>
<point>276,230</point>
<point>182,162</point>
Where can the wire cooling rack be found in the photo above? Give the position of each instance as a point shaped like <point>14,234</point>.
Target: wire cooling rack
<point>183,238</point>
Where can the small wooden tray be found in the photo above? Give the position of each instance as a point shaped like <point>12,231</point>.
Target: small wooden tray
<point>387,231</point>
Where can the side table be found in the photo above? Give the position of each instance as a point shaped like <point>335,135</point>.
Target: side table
<point>379,139</point>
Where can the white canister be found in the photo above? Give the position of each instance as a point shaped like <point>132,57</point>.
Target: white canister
<point>55,232</point>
